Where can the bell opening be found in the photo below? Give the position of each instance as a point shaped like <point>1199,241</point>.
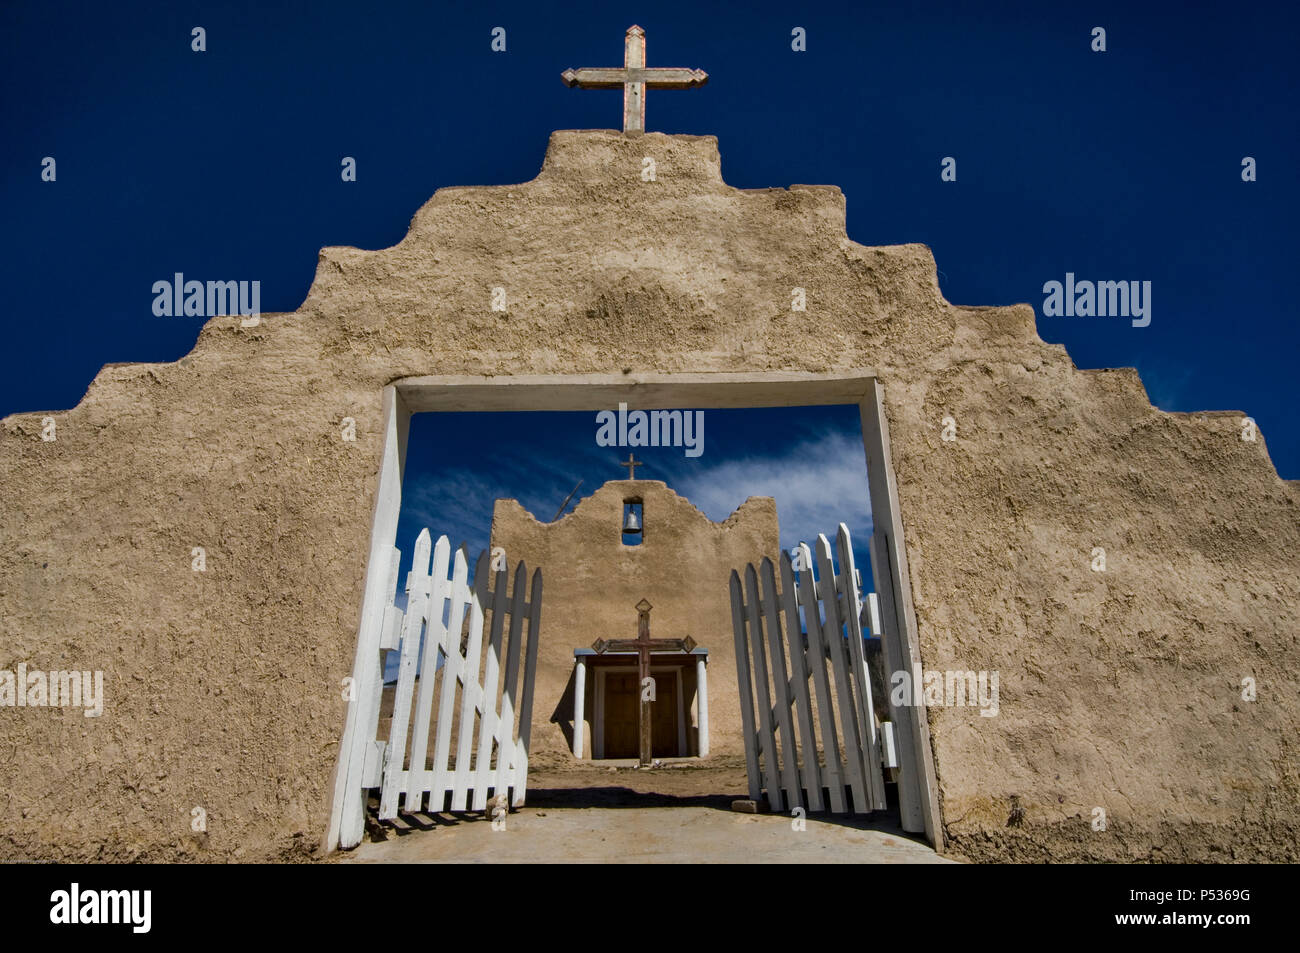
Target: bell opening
<point>633,523</point>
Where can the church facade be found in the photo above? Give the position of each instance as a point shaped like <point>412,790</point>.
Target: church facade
<point>679,561</point>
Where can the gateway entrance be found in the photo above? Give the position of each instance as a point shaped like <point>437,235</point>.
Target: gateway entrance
<point>603,685</point>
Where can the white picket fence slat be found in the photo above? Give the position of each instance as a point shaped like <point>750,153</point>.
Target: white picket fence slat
<point>776,661</point>
<point>746,690</point>
<point>812,771</point>
<point>806,596</point>
<point>793,768</point>
<point>487,724</point>
<point>832,626</point>
<point>469,687</point>
<point>412,626</point>
<point>766,737</point>
<point>506,756</point>
<point>851,611</point>
<point>435,642</point>
<point>458,597</point>
<point>490,750</point>
<point>526,705</point>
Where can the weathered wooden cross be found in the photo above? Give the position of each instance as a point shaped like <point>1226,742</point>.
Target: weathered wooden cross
<point>643,645</point>
<point>635,78</point>
<point>632,463</point>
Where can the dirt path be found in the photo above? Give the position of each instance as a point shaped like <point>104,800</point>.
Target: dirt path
<point>669,814</point>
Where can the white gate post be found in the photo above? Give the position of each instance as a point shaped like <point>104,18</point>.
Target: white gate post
<point>702,698</point>
<point>348,805</point>
<point>918,786</point>
<point>579,699</point>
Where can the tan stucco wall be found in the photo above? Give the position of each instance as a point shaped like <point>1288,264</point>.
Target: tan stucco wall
<point>1118,689</point>
<point>593,582</point>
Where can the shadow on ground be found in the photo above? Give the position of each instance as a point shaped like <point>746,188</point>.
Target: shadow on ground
<point>618,797</point>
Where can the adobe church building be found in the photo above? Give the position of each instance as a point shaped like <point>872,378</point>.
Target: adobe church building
<point>1120,689</point>
<point>679,561</point>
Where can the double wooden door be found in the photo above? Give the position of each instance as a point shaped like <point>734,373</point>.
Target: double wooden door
<point>622,710</point>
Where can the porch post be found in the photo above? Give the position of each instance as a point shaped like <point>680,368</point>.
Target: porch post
<point>702,694</point>
<point>579,699</point>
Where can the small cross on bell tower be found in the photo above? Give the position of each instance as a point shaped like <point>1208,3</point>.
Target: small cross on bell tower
<point>632,463</point>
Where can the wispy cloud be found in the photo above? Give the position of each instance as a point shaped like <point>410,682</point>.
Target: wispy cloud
<point>458,500</point>
<point>818,479</point>
<point>817,484</point>
<point>459,504</point>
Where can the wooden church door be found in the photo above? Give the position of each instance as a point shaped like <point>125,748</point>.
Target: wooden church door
<point>622,708</point>
<point>622,713</point>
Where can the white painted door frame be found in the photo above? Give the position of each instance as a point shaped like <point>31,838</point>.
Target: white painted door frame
<point>595,392</point>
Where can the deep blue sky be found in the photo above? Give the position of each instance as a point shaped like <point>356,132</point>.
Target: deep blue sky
<point>225,164</point>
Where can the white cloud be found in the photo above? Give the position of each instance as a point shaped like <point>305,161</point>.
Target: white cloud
<point>817,484</point>
<point>458,502</point>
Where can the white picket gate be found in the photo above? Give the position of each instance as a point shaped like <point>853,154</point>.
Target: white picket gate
<point>494,705</point>
<point>780,710</point>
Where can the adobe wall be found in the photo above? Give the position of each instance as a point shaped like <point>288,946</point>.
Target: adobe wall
<point>1118,689</point>
<point>592,583</point>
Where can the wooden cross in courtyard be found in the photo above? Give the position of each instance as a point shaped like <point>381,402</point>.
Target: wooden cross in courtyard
<point>643,645</point>
<point>635,78</point>
<point>632,463</point>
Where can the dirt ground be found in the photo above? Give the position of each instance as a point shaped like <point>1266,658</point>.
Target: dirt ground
<point>676,812</point>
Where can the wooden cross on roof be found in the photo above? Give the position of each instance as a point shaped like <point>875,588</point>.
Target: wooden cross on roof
<point>643,645</point>
<point>632,463</point>
<point>635,78</point>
